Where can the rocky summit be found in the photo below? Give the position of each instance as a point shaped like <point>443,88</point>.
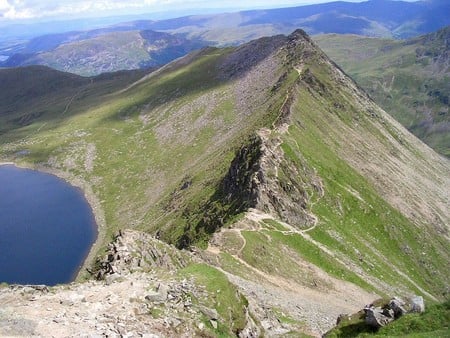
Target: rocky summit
<point>245,191</point>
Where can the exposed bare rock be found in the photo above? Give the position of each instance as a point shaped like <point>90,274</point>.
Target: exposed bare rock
<point>398,306</point>
<point>210,313</point>
<point>417,304</point>
<point>381,313</point>
<point>377,317</point>
<point>137,251</point>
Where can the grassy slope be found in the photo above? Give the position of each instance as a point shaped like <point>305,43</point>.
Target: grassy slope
<point>410,80</point>
<point>354,220</point>
<point>335,132</point>
<point>155,154</point>
<point>36,96</point>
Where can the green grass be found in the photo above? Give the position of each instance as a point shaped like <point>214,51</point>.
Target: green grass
<point>223,296</point>
<point>353,218</point>
<point>434,322</point>
<point>407,79</point>
<point>273,224</point>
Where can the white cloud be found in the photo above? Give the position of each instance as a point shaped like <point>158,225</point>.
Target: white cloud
<point>21,9</point>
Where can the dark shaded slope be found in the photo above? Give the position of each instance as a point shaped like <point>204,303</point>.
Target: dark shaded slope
<point>38,93</point>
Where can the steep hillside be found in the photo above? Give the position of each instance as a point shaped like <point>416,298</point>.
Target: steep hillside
<point>272,167</point>
<point>409,79</point>
<point>100,51</point>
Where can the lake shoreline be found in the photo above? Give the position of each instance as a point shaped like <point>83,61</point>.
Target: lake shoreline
<point>94,203</point>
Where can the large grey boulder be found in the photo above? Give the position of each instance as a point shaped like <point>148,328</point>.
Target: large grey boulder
<point>398,306</point>
<point>377,317</point>
<point>417,304</point>
<point>210,313</point>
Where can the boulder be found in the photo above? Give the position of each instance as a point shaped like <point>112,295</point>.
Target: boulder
<point>377,317</point>
<point>109,279</point>
<point>210,313</point>
<point>398,306</point>
<point>156,297</point>
<point>417,304</point>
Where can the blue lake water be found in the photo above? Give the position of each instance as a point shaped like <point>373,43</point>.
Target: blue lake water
<point>46,228</point>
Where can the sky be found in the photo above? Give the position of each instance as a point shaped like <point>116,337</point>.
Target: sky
<point>17,10</point>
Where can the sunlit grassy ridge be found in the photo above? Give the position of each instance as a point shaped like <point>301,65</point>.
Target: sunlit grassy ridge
<point>362,235</point>
<point>146,142</point>
<point>353,219</point>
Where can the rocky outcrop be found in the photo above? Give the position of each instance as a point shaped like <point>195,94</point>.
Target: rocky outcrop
<point>133,251</point>
<point>379,316</point>
<point>240,186</point>
<point>262,176</point>
<point>137,305</point>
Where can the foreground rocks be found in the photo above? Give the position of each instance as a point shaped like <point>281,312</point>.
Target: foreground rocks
<point>142,294</point>
<point>379,316</point>
<point>142,291</point>
<point>133,251</point>
<point>122,308</point>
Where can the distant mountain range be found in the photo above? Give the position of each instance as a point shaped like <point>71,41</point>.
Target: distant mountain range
<point>382,18</point>
<point>135,44</point>
<point>100,51</point>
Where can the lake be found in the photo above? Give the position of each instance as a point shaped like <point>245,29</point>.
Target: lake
<point>46,228</point>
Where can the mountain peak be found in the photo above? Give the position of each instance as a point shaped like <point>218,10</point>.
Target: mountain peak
<point>299,34</point>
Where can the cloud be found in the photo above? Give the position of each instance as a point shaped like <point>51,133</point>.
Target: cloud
<point>25,9</point>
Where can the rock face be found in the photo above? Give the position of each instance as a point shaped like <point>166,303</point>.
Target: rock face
<point>133,251</point>
<point>398,306</point>
<point>378,314</point>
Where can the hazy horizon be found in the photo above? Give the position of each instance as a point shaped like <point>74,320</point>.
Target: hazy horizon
<point>30,11</point>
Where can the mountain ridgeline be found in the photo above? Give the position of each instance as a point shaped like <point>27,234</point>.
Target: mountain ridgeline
<point>270,164</point>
